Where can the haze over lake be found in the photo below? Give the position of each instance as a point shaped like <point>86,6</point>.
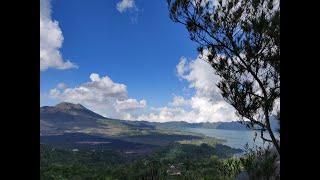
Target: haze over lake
<point>233,138</point>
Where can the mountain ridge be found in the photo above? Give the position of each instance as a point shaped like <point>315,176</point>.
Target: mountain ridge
<point>69,117</point>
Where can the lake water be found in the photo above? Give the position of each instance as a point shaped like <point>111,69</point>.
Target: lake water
<point>233,138</point>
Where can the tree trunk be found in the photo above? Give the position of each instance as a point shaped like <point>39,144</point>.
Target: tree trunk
<point>274,140</point>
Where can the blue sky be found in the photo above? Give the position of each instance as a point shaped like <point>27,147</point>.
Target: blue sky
<point>142,55</point>
<point>139,47</point>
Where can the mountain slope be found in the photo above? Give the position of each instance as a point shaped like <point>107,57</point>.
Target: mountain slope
<point>68,113</point>
<point>71,118</point>
<point>66,116</point>
<point>75,118</point>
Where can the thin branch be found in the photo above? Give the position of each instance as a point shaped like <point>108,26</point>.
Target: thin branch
<point>263,138</point>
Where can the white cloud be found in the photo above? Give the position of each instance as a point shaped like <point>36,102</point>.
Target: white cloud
<point>123,5</point>
<point>206,105</point>
<point>110,99</point>
<point>62,86</point>
<point>204,2</point>
<point>101,95</point>
<point>94,77</point>
<point>212,111</point>
<point>200,76</point>
<point>276,107</point>
<point>51,40</point>
<point>163,114</point>
<point>179,101</point>
<point>97,90</point>
<point>201,110</point>
<point>181,67</point>
<point>130,104</point>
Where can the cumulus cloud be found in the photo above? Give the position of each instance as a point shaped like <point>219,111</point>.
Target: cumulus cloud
<point>182,68</point>
<point>97,90</point>
<point>100,94</point>
<point>201,110</point>
<point>200,76</point>
<point>130,104</point>
<point>51,40</point>
<point>206,105</point>
<point>179,101</point>
<point>207,102</point>
<point>163,114</point>
<point>110,99</point>
<point>124,5</point>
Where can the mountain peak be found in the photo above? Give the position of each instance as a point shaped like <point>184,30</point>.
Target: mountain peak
<point>66,116</point>
<point>69,106</point>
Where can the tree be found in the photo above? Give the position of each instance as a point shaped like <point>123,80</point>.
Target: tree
<point>240,39</point>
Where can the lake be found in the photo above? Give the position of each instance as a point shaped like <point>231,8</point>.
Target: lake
<point>233,138</point>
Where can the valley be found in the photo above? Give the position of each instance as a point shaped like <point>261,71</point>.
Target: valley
<point>75,138</point>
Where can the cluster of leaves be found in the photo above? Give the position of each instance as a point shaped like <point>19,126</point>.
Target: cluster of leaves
<point>261,164</point>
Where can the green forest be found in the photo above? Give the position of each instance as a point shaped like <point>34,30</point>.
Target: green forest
<point>175,161</point>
